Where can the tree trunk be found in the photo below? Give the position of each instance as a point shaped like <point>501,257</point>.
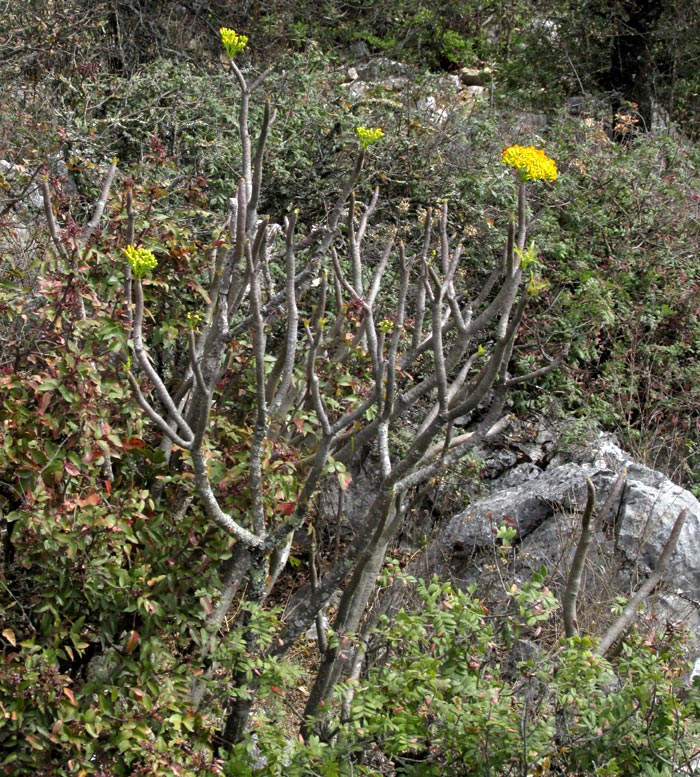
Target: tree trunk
<point>241,705</point>
<point>353,603</point>
<point>631,76</point>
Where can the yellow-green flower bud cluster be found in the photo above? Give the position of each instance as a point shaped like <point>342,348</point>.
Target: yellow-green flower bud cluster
<point>233,42</point>
<point>368,136</point>
<point>532,163</point>
<point>193,320</point>
<point>141,260</point>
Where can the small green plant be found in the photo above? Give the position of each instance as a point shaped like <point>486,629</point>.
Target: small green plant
<point>505,534</point>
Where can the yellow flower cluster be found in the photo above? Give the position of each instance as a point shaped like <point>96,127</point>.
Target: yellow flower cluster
<point>141,260</point>
<point>532,163</point>
<point>368,136</point>
<point>193,320</point>
<point>233,42</point>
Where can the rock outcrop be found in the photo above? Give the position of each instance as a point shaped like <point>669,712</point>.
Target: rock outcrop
<point>544,505</point>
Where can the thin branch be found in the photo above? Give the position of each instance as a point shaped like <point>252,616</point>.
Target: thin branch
<point>381,269</point>
<point>444,242</point>
<point>438,351</point>
<point>194,364</point>
<point>243,130</point>
<point>130,233</point>
<point>353,246</point>
<point>236,281</point>
<point>458,447</point>
<point>321,625</point>
<point>511,283</point>
<point>522,216</point>
<point>615,632</point>
<point>25,614</point>
<point>101,203</point>
<point>324,237</point>
<point>396,336</point>
<point>573,583</point>
<point>484,292</point>
<point>541,372</point>
<point>352,416</point>
<point>161,391</point>
<point>455,386</point>
<point>153,414</point>
<point>51,219</point>
<point>287,367</point>
<point>261,417</point>
<point>256,170</point>
<point>213,508</point>
<point>312,382</point>
<point>217,263</point>
<point>614,497</point>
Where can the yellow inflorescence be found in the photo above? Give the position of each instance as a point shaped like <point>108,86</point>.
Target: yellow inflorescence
<point>141,260</point>
<point>368,136</point>
<point>233,42</point>
<point>193,320</point>
<point>532,163</point>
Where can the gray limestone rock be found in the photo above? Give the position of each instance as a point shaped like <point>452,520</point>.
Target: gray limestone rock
<point>545,507</point>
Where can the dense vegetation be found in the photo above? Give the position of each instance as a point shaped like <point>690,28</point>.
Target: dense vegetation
<point>226,297</point>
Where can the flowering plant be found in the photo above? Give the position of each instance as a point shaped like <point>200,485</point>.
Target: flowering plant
<point>368,136</point>
<point>233,42</point>
<point>532,163</point>
<point>141,260</point>
<point>193,320</point>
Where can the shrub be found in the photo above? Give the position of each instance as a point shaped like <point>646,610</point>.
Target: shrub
<point>448,694</point>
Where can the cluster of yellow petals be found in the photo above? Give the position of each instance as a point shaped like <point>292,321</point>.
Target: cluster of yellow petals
<point>532,163</point>
<point>141,260</point>
<point>233,42</point>
<point>368,136</point>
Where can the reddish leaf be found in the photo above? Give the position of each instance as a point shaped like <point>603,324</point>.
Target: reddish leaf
<point>134,442</point>
<point>43,403</point>
<point>90,500</point>
<point>57,726</point>
<point>34,742</point>
<point>69,694</point>
<point>132,642</point>
<point>71,469</point>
